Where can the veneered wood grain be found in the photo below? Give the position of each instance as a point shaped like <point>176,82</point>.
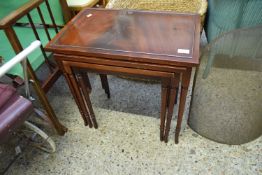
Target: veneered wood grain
<point>143,36</point>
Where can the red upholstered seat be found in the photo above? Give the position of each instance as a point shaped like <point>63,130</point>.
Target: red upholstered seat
<point>14,110</point>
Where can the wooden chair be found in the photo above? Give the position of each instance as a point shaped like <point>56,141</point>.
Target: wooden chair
<point>77,5</point>
<point>15,109</point>
<point>34,24</point>
<point>16,37</point>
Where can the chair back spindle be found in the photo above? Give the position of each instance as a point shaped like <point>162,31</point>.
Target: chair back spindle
<point>51,16</point>
<point>43,22</point>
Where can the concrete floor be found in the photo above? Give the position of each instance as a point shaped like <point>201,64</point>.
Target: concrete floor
<point>127,140</point>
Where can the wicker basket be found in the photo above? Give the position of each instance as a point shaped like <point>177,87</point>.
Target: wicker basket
<point>185,6</point>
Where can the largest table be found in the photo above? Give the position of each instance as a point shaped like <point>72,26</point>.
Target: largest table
<point>157,45</point>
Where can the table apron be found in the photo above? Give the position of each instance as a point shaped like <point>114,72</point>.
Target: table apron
<point>127,64</point>
<point>105,69</point>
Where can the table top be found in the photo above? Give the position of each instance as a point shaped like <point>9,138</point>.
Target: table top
<point>143,36</point>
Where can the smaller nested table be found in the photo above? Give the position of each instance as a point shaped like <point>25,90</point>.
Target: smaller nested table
<point>156,45</point>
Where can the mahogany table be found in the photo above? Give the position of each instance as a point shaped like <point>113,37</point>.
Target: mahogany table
<point>148,44</point>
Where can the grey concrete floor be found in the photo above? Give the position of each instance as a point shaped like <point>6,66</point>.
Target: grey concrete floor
<point>127,140</point>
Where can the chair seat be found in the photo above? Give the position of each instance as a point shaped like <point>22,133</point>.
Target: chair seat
<point>80,4</point>
<point>14,110</point>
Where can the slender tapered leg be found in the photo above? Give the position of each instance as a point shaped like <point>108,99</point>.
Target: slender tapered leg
<point>169,113</point>
<point>14,41</point>
<point>105,85</point>
<point>83,85</point>
<point>177,87</point>
<point>80,99</point>
<point>172,98</point>
<point>168,95</point>
<point>164,96</point>
<point>184,88</point>
<point>71,87</point>
<point>87,81</point>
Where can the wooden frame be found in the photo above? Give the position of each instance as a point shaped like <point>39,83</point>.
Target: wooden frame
<point>6,24</point>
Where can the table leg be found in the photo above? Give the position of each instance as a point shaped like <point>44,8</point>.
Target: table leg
<point>83,85</point>
<point>75,97</point>
<point>79,99</point>
<point>184,88</point>
<point>177,88</point>
<point>87,82</point>
<point>168,95</point>
<point>105,85</point>
<point>171,103</point>
<point>164,97</point>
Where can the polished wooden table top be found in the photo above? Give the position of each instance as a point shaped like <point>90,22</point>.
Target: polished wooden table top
<point>141,36</point>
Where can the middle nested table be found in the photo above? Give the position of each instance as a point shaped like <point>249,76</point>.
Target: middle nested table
<point>148,44</point>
